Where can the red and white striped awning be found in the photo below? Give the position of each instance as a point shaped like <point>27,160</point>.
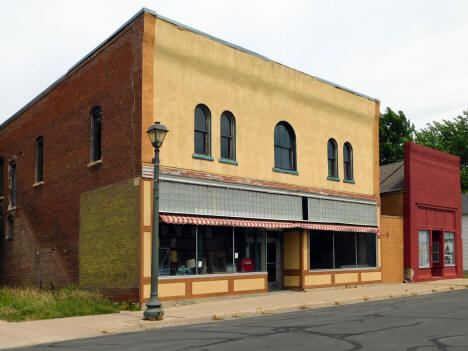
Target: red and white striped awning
<point>252,223</point>
<point>338,228</point>
<point>226,222</point>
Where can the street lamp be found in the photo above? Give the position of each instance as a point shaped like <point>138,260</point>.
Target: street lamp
<point>157,133</point>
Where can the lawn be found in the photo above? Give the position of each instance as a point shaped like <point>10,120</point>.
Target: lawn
<point>20,304</point>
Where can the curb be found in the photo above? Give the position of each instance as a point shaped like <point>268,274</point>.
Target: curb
<point>135,323</point>
<point>148,325</point>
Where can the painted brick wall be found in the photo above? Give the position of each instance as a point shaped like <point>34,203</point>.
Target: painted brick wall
<point>465,240</point>
<point>432,202</point>
<point>45,246</point>
<point>109,238</point>
<point>392,249</point>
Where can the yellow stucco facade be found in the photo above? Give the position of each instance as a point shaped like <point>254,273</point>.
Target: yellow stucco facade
<point>182,69</point>
<point>191,69</point>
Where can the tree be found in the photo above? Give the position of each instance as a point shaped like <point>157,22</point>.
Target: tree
<point>451,137</point>
<point>394,131</point>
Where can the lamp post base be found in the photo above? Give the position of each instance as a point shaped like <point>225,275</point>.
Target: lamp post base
<point>153,313</point>
<point>154,308</point>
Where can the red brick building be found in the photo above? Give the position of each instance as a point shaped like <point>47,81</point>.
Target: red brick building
<point>47,212</point>
<point>425,190</point>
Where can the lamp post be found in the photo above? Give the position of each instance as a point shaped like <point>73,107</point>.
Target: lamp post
<point>157,133</point>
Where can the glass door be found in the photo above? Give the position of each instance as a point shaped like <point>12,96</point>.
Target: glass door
<point>271,261</point>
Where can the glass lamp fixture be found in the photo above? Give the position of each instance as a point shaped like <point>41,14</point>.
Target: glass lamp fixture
<point>157,132</point>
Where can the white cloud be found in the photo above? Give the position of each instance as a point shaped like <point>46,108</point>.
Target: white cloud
<point>410,55</point>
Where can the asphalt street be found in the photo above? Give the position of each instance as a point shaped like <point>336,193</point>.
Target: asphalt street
<point>420,323</point>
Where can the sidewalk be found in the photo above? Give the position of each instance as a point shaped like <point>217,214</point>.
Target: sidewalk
<point>53,330</point>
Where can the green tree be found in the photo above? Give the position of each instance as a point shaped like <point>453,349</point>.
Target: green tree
<point>452,137</point>
<point>394,130</point>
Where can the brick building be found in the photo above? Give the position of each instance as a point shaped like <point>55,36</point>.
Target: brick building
<point>269,176</point>
<point>465,230</point>
<point>424,189</point>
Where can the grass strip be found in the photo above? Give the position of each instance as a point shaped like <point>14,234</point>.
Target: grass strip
<point>20,304</point>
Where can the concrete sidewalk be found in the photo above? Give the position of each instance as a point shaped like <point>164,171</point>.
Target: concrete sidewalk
<point>205,310</point>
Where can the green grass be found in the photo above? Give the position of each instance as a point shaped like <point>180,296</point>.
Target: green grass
<point>31,303</point>
<point>465,274</point>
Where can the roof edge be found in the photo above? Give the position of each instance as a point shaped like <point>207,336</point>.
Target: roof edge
<point>154,13</point>
<point>254,53</point>
<point>62,77</point>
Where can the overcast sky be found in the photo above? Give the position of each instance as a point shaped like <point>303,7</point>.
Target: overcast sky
<point>411,55</point>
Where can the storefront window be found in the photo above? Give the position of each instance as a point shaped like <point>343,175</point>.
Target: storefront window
<point>321,250</point>
<point>214,250</point>
<point>342,250</point>
<point>345,251</point>
<point>423,249</point>
<point>191,250</point>
<point>449,248</point>
<point>177,249</point>
<point>366,250</point>
<point>249,250</point>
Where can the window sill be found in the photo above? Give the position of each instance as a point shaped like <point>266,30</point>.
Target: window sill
<point>350,181</point>
<point>228,161</point>
<point>202,157</point>
<point>38,184</point>
<point>287,171</point>
<point>333,179</point>
<point>94,163</point>
<point>318,270</point>
<point>209,275</point>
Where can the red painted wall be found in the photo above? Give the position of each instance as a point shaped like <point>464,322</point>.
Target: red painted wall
<point>432,201</point>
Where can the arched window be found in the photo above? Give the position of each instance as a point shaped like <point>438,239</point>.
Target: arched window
<point>332,159</point>
<point>348,161</point>
<point>39,159</point>
<point>96,121</point>
<point>228,136</point>
<point>1,181</point>
<point>285,147</point>
<point>2,230</point>
<point>12,172</point>
<point>202,130</point>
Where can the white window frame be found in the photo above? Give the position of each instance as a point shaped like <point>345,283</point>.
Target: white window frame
<point>452,234</point>
<point>423,264</point>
